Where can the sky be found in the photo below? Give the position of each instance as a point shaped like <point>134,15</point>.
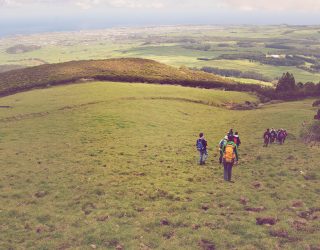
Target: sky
<point>33,16</point>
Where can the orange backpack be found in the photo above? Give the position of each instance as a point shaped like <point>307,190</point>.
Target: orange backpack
<point>229,154</point>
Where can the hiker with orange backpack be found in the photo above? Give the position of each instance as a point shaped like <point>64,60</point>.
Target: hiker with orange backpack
<point>222,143</point>
<point>230,157</point>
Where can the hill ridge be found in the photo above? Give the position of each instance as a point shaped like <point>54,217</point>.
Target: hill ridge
<point>120,70</point>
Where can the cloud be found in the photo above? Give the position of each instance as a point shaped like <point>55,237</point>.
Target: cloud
<point>87,4</point>
<point>272,5</point>
<point>240,5</point>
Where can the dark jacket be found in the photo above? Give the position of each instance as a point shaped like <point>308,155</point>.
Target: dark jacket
<point>204,143</point>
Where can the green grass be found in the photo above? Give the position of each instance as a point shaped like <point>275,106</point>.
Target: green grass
<point>168,45</point>
<point>267,70</point>
<point>250,81</point>
<point>105,163</point>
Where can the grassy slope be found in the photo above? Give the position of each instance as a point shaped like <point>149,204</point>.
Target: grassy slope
<point>113,161</point>
<point>125,69</point>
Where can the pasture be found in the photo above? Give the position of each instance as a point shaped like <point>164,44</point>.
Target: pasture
<point>180,46</point>
<point>114,165</point>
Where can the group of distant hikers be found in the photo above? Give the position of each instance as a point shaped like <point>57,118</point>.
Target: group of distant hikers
<point>228,148</point>
<point>230,144</point>
<point>272,135</point>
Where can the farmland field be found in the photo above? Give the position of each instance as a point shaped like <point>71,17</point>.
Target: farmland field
<point>244,48</point>
<point>113,165</point>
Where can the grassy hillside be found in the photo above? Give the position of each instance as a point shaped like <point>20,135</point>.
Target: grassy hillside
<point>126,69</point>
<point>180,45</point>
<point>113,165</point>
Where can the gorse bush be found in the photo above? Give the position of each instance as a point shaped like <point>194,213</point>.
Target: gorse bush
<point>311,133</point>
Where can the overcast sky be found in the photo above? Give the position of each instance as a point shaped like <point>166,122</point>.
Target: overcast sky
<point>27,16</point>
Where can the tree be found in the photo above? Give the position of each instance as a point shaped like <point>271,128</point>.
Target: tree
<point>300,85</point>
<point>286,83</point>
<point>310,87</point>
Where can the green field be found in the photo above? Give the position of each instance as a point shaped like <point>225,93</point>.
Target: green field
<point>178,46</point>
<point>113,165</point>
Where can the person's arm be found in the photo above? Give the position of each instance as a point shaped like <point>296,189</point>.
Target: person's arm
<point>223,147</point>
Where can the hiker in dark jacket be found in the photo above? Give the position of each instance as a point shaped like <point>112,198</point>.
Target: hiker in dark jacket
<point>230,132</point>
<point>266,137</point>
<point>236,139</point>
<point>230,157</point>
<point>202,148</point>
<point>281,136</point>
<point>273,134</point>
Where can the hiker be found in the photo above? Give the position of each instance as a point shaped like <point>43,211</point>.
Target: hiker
<point>236,139</point>
<point>230,132</point>
<point>273,134</point>
<point>230,157</point>
<point>202,148</point>
<point>281,136</point>
<point>222,143</point>
<point>266,137</point>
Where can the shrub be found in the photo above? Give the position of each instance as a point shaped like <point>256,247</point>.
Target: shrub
<point>316,103</point>
<point>311,133</point>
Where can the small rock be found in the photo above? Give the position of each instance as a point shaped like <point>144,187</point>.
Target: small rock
<point>93,246</point>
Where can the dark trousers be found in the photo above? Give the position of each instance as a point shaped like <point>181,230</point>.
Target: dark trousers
<point>227,170</point>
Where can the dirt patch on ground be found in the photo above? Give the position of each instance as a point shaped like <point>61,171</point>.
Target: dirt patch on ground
<point>255,209</point>
<point>266,221</point>
<point>206,245</point>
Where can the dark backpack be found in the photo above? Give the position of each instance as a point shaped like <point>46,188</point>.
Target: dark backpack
<point>199,145</point>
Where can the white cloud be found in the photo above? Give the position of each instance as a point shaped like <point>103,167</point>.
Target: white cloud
<point>243,5</point>
<point>273,5</point>
<point>87,4</point>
